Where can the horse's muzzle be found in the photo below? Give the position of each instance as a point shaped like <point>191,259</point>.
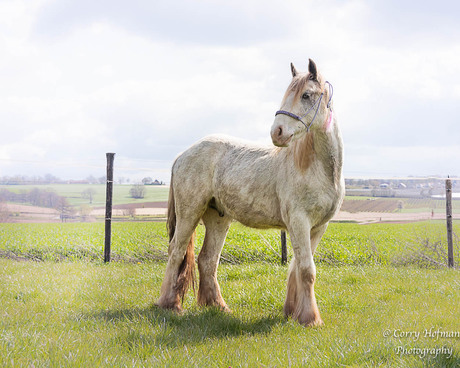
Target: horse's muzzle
<point>280,137</point>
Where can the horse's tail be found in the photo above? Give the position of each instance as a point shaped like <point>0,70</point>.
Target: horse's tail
<point>186,276</point>
<point>171,223</point>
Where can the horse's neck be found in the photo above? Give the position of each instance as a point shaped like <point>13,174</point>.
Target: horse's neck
<point>329,151</point>
<point>324,146</point>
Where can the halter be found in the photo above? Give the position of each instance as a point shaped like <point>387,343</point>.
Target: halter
<point>317,103</point>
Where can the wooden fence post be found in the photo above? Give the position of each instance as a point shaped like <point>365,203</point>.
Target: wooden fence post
<point>108,206</point>
<point>450,246</point>
<point>283,248</point>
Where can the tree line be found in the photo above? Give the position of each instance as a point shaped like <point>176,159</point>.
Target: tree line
<point>38,197</point>
<point>48,179</point>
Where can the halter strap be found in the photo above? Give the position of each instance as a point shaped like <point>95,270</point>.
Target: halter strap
<point>331,93</point>
<point>317,103</point>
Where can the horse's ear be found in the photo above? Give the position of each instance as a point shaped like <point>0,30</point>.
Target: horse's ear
<point>312,69</point>
<point>294,70</point>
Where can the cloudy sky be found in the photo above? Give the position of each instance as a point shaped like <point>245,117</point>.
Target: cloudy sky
<point>145,79</point>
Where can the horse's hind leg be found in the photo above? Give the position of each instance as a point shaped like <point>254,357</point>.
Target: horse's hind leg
<point>170,292</point>
<point>216,231</point>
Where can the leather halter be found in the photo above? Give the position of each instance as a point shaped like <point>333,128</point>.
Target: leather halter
<point>317,103</point>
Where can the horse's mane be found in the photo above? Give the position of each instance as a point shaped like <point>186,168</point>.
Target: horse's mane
<point>298,83</point>
<point>304,152</point>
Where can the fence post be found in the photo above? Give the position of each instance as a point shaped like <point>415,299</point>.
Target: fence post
<point>108,206</point>
<point>450,246</point>
<point>283,248</point>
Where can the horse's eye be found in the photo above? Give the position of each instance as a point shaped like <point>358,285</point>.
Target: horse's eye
<point>305,96</point>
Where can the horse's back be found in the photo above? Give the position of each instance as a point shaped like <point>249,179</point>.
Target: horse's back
<point>236,174</point>
<point>205,154</point>
<point>195,166</point>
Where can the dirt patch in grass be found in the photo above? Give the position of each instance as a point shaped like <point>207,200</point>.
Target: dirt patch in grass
<point>10,255</point>
<point>128,206</point>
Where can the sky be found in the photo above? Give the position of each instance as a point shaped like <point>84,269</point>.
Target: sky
<point>146,79</point>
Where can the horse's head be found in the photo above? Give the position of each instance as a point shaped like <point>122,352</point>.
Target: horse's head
<point>304,106</point>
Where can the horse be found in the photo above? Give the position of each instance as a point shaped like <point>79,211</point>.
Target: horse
<point>295,185</point>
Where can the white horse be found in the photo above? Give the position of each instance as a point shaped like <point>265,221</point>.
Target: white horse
<point>296,186</point>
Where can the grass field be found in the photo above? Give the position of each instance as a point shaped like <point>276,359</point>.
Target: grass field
<point>342,244</point>
<point>73,192</point>
<point>78,314</point>
<point>69,309</point>
<point>408,205</point>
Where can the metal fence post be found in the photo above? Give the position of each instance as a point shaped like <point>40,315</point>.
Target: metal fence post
<point>450,246</point>
<point>283,248</point>
<point>108,206</point>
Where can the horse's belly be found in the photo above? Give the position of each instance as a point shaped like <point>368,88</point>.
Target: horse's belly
<point>262,214</point>
<point>261,223</point>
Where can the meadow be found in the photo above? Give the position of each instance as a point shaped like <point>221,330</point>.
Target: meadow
<point>402,205</point>
<point>378,286</point>
<point>421,243</point>
<point>73,193</point>
<point>79,314</point>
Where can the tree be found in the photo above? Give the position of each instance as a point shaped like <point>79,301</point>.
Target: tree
<point>85,211</point>
<point>65,209</point>
<point>50,179</point>
<point>137,191</point>
<point>92,180</point>
<point>147,181</point>
<point>4,212</point>
<point>131,212</point>
<point>35,196</point>
<point>88,194</point>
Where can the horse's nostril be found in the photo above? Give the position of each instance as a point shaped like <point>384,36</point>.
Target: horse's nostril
<point>280,132</point>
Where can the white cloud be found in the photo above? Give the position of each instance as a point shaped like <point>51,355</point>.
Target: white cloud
<point>387,161</point>
<point>80,79</point>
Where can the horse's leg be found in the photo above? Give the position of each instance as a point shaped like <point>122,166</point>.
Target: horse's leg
<point>316,235</point>
<point>300,299</point>
<point>170,295</point>
<point>216,231</point>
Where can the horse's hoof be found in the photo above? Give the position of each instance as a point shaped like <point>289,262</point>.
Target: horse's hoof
<point>226,309</point>
<point>315,322</point>
<point>172,307</point>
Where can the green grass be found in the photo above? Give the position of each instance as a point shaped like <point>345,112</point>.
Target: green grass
<point>359,198</point>
<point>68,312</point>
<point>77,314</point>
<point>121,195</point>
<point>73,192</point>
<point>342,244</point>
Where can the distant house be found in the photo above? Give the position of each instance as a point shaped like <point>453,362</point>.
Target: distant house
<point>150,181</point>
<point>384,190</point>
<point>77,182</point>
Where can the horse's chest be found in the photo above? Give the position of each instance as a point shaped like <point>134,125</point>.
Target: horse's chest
<point>321,203</point>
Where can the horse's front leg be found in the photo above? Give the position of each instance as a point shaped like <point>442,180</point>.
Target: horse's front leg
<point>300,299</point>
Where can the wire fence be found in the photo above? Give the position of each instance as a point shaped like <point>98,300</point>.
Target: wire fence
<point>85,205</point>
